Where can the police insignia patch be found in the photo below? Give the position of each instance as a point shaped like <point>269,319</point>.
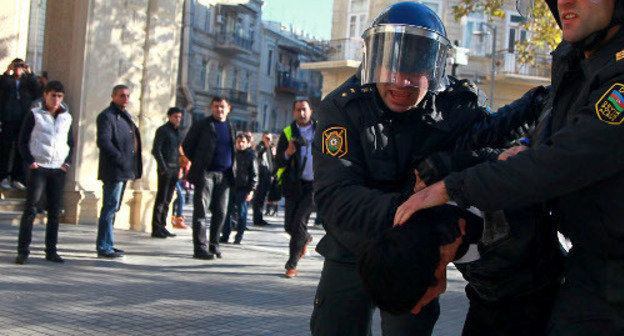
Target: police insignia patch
<point>610,107</point>
<point>619,55</point>
<point>335,141</point>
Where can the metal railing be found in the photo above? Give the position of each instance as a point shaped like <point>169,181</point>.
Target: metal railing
<point>232,39</point>
<point>234,96</point>
<point>342,49</point>
<point>506,63</point>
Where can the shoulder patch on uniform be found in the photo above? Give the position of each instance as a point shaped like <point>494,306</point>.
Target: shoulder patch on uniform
<point>335,141</point>
<point>619,55</point>
<point>610,107</point>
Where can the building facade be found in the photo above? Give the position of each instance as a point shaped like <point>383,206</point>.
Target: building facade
<point>474,32</point>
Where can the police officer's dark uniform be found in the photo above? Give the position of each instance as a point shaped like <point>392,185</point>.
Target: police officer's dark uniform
<point>363,153</point>
<point>576,165</point>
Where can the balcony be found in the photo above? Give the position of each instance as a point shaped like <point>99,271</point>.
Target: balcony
<point>508,68</point>
<point>286,84</point>
<point>233,96</point>
<point>349,49</point>
<point>232,43</point>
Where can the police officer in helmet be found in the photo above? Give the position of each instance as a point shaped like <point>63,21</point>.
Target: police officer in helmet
<point>371,130</point>
<point>575,166</point>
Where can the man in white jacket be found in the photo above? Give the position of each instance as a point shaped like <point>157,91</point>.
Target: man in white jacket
<point>46,144</point>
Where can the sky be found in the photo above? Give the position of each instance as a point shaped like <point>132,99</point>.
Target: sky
<point>312,16</point>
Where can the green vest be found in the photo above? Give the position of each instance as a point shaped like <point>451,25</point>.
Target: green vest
<point>280,172</point>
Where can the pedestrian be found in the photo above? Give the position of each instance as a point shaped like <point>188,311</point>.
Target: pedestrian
<point>46,143</point>
<point>372,129</point>
<point>275,190</point>
<point>166,151</point>
<point>266,167</point>
<point>573,166</point>
<point>294,163</point>
<point>209,145</point>
<point>178,219</point>
<point>245,184</point>
<point>18,89</point>
<point>119,141</point>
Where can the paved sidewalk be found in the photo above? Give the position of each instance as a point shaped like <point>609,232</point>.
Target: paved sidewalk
<point>159,289</point>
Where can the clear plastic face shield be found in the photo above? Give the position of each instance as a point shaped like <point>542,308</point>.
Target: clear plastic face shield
<point>405,55</point>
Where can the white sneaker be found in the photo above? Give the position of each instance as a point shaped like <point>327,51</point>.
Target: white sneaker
<point>18,185</point>
<point>5,184</point>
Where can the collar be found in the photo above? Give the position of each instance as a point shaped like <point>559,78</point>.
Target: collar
<point>45,108</point>
<point>604,56</point>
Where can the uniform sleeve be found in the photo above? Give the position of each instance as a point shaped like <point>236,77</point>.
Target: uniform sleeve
<point>583,152</point>
<point>105,139</point>
<point>351,211</point>
<point>24,138</point>
<point>509,123</point>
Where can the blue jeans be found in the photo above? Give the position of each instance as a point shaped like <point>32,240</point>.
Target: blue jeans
<point>111,198</point>
<point>238,210</point>
<point>178,204</point>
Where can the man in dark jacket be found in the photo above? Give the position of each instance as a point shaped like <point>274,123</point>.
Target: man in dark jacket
<point>209,145</point>
<point>166,151</point>
<point>245,184</point>
<point>18,88</point>
<point>294,163</point>
<point>265,166</point>
<point>574,165</point>
<point>119,142</point>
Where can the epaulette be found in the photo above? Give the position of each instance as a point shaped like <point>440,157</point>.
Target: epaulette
<point>349,93</point>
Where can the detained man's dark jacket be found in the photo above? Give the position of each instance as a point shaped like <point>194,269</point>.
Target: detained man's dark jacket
<point>166,148</point>
<point>359,187</point>
<point>519,249</point>
<point>199,146</point>
<point>11,108</point>
<point>119,141</point>
<point>576,160</point>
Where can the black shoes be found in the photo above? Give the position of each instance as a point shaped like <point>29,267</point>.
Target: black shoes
<point>215,251</point>
<point>223,240</point>
<point>263,223</point>
<point>162,234</point>
<point>111,255</point>
<point>54,257</point>
<point>203,255</point>
<point>21,259</point>
<point>118,250</point>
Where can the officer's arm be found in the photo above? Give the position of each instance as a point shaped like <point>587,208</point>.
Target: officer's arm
<point>509,123</point>
<point>351,211</point>
<point>584,152</point>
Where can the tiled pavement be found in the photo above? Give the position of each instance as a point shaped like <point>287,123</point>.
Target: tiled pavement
<point>158,289</point>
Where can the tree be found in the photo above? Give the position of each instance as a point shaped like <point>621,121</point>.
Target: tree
<point>544,32</point>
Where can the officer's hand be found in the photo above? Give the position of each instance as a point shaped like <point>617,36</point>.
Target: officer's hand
<point>447,254</point>
<point>34,165</point>
<point>431,196</point>
<point>511,152</point>
<point>420,184</point>
<point>291,148</point>
<point>249,196</point>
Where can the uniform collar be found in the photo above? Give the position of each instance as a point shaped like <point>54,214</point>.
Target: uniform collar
<point>605,55</point>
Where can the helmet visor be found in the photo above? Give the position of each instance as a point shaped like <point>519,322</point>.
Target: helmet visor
<point>525,8</point>
<point>404,55</point>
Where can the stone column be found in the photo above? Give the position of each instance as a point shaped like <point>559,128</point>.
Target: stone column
<point>14,19</point>
<point>91,46</point>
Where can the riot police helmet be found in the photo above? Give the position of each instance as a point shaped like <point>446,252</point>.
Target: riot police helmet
<point>406,44</point>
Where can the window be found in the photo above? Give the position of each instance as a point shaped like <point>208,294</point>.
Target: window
<point>476,36</point>
<point>515,33</point>
<point>434,6</point>
<point>200,17</point>
<point>202,74</point>
<point>357,18</point>
<point>270,63</point>
<point>219,76</point>
<point>234,78</point>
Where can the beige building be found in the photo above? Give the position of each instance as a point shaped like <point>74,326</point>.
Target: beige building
<point>352,17</point>
<point>90,46</point>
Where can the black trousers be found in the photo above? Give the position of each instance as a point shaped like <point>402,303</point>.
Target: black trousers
<point>591,300</point>
<point>212,193</point>
<point>166,188</point>
<point>342,307</point>
<point>523,316</point>
<point>264,184</point>
<point>11,163</point>
<point>40,180</point>
<point>299,206</point>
